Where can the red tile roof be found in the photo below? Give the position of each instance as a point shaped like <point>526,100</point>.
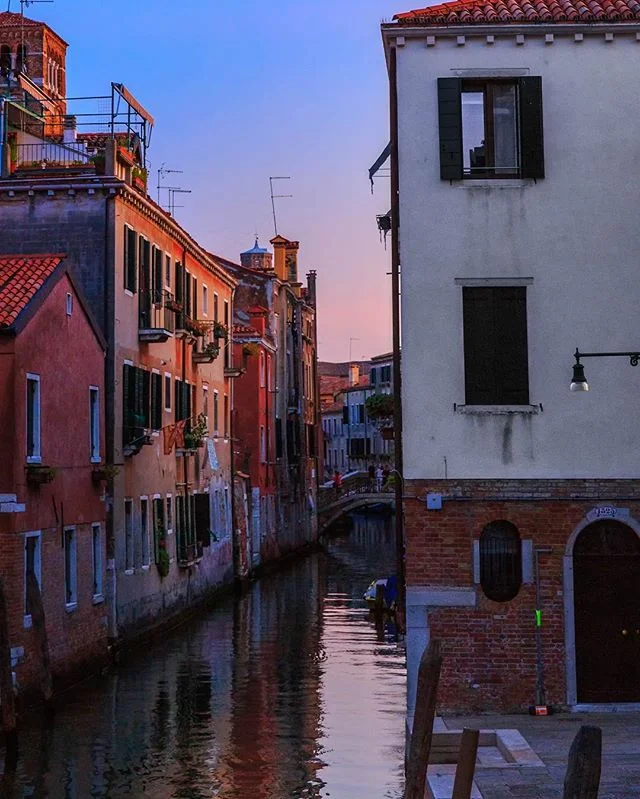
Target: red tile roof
<point>499,12</point>
<point>10,19</point>
<point>21,277</point>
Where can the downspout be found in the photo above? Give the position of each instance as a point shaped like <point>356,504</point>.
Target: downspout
<point>186,510</point>
<point>235,538</point>
<point>395,316</point>
<point>108,326</point>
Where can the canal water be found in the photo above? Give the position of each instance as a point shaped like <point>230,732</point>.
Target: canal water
<point>287,691</point>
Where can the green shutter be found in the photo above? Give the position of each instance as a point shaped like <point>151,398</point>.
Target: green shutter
<point>131,262</point>
<point>450,122</point>
<point>156,401</point>
<point>127,402</point>
<point>531,127</point>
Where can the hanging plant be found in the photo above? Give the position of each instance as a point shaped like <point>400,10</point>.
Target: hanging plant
<point>164,562</point>
<point>380,408</point>
<point>220,330</point>
<point>250,349</point>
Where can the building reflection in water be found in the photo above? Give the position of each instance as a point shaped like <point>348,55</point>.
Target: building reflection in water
<point>283,692</point>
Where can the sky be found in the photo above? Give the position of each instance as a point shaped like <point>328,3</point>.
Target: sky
<point>245,89</point>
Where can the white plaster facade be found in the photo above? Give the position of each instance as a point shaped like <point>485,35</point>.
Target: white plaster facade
<point>572,238</point>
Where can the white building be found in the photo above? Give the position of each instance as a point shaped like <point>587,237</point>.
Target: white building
<point>515,147</point>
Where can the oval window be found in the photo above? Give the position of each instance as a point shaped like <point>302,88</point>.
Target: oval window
<point>500,561</point>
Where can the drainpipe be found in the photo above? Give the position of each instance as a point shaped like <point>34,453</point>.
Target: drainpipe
<point>235,538</point>
<point>4,154</point>
<point>395,300</point>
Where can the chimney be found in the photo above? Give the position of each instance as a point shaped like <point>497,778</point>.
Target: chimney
<point>70,133</point>
<point>286,258</point>
<point>354,374</point>
<point>311,288</point>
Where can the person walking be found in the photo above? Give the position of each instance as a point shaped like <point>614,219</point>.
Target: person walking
<point>379,479</point>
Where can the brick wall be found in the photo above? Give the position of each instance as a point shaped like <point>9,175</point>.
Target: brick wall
<point>490,650</point>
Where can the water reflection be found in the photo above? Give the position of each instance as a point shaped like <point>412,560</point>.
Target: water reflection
<point>285,692</point>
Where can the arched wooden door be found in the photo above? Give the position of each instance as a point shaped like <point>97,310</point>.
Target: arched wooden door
<point>606,574</point>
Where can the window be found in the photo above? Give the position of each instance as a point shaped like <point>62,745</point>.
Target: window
<point>167,392</point>
<point>372,376</point>
<point>70,567</point>
<point>269,373</point>
<point>496,369</point>
<point>263,445</point>
<point>262,370</point>
<point>226,416</point>
<point>215,412</point>
<point>205,300</point>
<point>96,542</point>
<point>69,304</point>
<point>215,307</point>
<point>500,561</point>
<point>32,564</point>
<point>167,271</point>
<point>205,403</point>
<point>144,530</point>
<point>169,514</point>
<point>159,529</point>
<point>136,389</point>
<point>491,128</point>
<point>128,535</point>
<point>156,401</point>
<point>94,424</point>
<point>33,418</point>
<point>130,259</point>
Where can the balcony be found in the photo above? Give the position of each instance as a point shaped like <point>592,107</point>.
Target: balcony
<point>135,435</point>
<point>51,158</point>
<point>157,316</point>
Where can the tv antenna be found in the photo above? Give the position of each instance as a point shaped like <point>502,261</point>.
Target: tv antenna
<point>161,173</point>
<point>277,197</point>
<point>173,190</point>
<point>24,4</point>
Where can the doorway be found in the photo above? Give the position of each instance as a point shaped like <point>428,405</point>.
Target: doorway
<point>606,574</point>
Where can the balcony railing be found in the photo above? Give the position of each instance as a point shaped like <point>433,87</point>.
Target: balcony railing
<point>157,317</point>
<point>48,155</point>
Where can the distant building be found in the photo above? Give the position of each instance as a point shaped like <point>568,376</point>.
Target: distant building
<point>275,320</point>
<point>52,482</point>
<point>335,439</point>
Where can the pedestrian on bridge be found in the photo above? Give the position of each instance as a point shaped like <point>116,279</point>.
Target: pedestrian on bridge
<point>379,479</point>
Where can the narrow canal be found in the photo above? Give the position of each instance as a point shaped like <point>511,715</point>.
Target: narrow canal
<point>285,692</point>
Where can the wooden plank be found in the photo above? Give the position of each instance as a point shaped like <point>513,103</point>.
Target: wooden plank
<point>582,778</point>
<point>466,764</point>
<point>427,690</point>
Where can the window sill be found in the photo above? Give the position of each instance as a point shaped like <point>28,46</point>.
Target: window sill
<point>128,571</point>
<point>70,607</point>
<point>129,293</point>
<point>34,458</point>
<point>97,459</point>
<point>494,183</point>
<point>97,599</point>
<point>145,567</point>
<point>497,410</point>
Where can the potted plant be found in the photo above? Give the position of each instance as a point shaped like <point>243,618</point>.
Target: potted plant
<point>250,349</point>
<point>38,474</point>
<point>106,472</point>
<point>194,438</point>
<point>220,330</point>
<point>98,161</point>
<point>208,354</point>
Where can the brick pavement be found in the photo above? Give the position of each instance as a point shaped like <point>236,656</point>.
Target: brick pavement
<point>551,738</point>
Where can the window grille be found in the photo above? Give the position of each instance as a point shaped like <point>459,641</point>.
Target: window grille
<point>500,561</point>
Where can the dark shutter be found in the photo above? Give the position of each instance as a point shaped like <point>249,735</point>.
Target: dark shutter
<point>450,122</point>
<point>345,414</point>
<point>203,519</point>
<point>131,263</point>
<point>372,377</point>
<point>195,298</point>
<point>531,127</point>
<point>156,401</point>
<point>496,368</point>
<point>187,294</point>
<point>177,399</point>
<point>158,276</point>
<point>278,437</point>
<point>128,411</point>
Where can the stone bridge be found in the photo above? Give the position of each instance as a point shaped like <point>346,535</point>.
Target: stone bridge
<point>357,491</point>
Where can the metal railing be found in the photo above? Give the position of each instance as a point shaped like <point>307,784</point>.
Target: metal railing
<point>49,155</point>
<point>154,313</point>
<point>359,483</point>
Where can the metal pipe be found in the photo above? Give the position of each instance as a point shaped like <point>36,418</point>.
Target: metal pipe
<point>395,301</point>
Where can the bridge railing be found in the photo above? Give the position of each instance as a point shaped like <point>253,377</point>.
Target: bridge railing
<point>353,484</point>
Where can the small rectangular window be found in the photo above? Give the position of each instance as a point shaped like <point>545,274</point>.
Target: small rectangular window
<point>144,530</point>
<point>130,266</point>
<point>215,307</point>
<point>169,515</point>
<point>496,367</point>
<point>128,535</point>
<point>70,567</point>
<point>96,541</point>
<point>226,416</point>
<point>94,424</point>
<point>205,300</point>
<point>263,445</point>
<point>33,418</point>
<point>69,304</point>
<point>167,271</point>
<point>215,413</point>
<point>156,401</point>
<point>167,392</point>
<point>159,528</point>
<point>32,563</point>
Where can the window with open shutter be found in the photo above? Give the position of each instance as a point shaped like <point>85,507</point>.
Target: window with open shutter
<point>130,258</point>
<point>496,368</point>
<point>490,128</point>
<point>156,401</point>
<point>128,400</point>
<point>158,275</point>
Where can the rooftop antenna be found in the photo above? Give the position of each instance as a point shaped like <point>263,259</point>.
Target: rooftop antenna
<point>165,171</point>
<point>276,197</point>
<point>25,4</point>
<point>173,190</point>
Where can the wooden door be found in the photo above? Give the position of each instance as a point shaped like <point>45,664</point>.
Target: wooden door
<point>606,573</point>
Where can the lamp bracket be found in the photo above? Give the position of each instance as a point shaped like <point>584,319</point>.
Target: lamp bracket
<point>634,357</point>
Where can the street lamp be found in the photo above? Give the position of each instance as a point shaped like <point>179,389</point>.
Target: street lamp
<point>579,381</point>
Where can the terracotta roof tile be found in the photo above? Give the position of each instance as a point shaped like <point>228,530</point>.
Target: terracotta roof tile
<point>10,19</point>
<point>482,12</point>
<point>21,277</point>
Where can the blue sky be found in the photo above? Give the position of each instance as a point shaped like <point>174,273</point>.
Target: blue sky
<point>244,89</point>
